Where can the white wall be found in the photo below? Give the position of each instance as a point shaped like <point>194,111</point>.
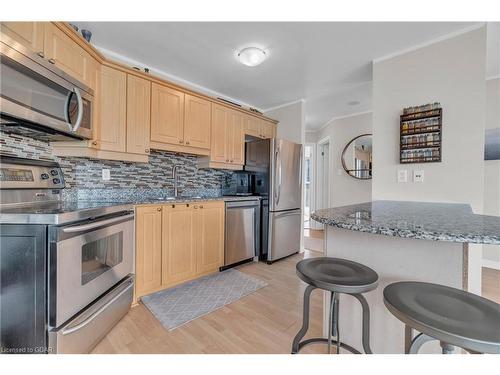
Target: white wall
<point>451,72</point>
<point>292,121</point>
<point>491,254</point>
<point>344,189</point>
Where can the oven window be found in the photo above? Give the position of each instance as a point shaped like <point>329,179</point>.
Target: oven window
<point>100,256</point>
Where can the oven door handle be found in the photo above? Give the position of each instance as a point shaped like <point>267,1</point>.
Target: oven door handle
<point>79,228</point>
<point>67,331</point>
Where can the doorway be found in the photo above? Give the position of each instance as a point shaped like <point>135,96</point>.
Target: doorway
<point>309,185</point>
<point>323,179</point>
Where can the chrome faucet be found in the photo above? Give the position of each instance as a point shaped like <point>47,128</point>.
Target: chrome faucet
<point>176,180</point>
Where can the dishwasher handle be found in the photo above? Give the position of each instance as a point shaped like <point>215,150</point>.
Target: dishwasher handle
<point>92,225</point>
<point>241,204</point>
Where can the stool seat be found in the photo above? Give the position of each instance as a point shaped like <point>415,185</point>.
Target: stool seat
<point>337,275</point>
<point>447,314</point>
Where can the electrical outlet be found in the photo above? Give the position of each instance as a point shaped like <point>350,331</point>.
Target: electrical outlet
<point>418,176</point>
<point>106,175</point>
<point>402,175</point>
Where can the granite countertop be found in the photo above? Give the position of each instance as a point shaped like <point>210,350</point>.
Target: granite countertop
<point>418,220</point>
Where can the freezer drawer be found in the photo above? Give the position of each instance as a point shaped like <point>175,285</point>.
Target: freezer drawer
<point>284,234</point>
<point>85,331</point>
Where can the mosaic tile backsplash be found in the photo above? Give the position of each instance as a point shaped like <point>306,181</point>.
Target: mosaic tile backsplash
<point>84,176</point>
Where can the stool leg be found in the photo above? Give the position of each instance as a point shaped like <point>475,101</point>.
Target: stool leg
<point>418,341</point>
<point>305,319</point>
<point>331,322</point>
<point>366,323</point>
<point>336,317</point>
<point>408,338</point>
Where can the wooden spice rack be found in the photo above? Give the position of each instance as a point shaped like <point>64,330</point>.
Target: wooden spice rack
<point>421,136</point>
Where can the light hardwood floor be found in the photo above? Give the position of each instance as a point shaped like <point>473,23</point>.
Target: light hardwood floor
<point>263,322</point>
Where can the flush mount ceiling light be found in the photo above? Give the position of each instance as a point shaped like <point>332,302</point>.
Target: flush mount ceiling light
<point>354,102</point>
<point>251,56</point>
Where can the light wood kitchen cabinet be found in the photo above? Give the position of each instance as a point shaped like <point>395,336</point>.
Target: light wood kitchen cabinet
<point>67,55</point>
<point>29,34</point>
<point>268,129</point>
<point>197,112</point>
<point>167,115</point>
<point>178,244</point>
<point>209,218</point>
<point>138,115</point>
<point>227,149</point>
<point>259,128</point>
<point>112,127</point>
<point>236,138</point>
<point>148,249</point>
<point>220,133</point>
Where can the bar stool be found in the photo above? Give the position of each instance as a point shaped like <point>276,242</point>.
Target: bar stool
<point>452,316</point>
<point>338,276</point>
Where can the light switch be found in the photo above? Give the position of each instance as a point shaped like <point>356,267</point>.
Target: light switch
<point>418,176</point>
<point>106,175</point>
<point>402,175</point>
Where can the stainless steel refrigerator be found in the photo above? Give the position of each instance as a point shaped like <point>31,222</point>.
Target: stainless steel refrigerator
<point>276,165</point>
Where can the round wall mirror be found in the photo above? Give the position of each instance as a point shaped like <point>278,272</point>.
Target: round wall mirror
<point>357,157</point>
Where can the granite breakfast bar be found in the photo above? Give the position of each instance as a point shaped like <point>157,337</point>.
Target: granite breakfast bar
<point>432,242</point>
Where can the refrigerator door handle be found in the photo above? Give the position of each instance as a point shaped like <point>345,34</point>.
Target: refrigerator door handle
<point>277,191</point>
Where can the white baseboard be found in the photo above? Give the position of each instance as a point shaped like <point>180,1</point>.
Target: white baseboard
<point>491,264</point>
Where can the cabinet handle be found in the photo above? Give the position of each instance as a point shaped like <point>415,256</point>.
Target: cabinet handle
<point>173,206</point>
<point>181,141</point>
<point>94,143</point>
<point>158,209</point>
<point>187,142</point>
<point>52,61</point>
<point>41,54</point>
<point>201,206</point>
<point>187,204</point>
<point>195,207</point>
<point>147,150</point>
<point>227,160</point>
<point>231,160</point>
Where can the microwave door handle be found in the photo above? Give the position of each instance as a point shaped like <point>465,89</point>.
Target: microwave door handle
<point>79,100</point>
<point>79,228</point>
<point>67,331</point>
<point>66,109</point>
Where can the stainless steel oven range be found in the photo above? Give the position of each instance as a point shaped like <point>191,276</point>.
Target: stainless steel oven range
<point>66,267</point>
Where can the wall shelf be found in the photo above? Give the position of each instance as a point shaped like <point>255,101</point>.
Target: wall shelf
<point>421,136</point>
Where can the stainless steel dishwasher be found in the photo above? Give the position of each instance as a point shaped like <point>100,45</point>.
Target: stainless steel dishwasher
<point>242,232</point>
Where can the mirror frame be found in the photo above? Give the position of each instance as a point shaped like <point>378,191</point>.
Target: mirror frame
<point>343,154</point>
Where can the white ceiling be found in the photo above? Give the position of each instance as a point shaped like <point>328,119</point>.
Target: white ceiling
<point>326,64</point>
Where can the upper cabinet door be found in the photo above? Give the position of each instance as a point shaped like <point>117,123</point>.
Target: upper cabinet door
<point>268,129</point>
<point>138,114</point>
<point>67,55</point>
<point>236,140</point>
<point>29,34</point>
<point>220,133</point>
<point>112,127</point>
<point>252,126</point>
<point>197,122</point>
<point>167,115</point>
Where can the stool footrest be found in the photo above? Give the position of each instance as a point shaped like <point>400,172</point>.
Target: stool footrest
<point>321,339</point>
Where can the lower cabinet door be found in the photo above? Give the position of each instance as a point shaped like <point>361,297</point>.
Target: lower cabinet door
<point>179,244</point>
<point>210,247</point>
<point>148,249</point>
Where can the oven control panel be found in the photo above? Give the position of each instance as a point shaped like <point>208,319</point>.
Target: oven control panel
<point>40,175</point>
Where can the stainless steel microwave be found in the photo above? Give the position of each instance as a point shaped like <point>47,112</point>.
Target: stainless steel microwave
<point>39,100</point>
